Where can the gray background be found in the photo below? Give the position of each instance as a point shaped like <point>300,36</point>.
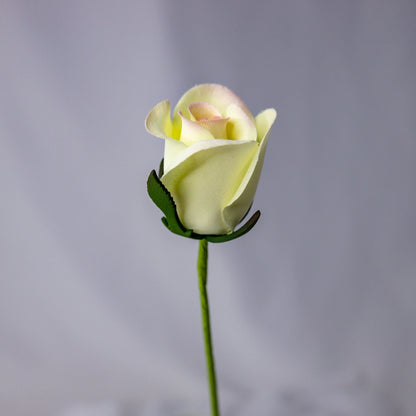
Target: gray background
<point>312,312</point>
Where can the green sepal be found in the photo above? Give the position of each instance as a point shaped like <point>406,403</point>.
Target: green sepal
<point>161,168</point>
<point>163,199</point>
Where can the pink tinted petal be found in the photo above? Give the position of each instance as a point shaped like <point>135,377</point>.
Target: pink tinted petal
<point>217,127</point>
<point>217,95</point>
<point>192,132</point>
<point>203,110</point>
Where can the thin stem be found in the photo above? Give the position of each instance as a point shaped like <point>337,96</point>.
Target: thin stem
<point>206,327</point>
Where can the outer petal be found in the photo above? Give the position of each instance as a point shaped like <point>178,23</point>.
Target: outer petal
<point>242,199</point>
<point>172,149</point>
<point>218,95</point>
<point>206,175</point>
<point>264,122</point>
<point>158,121</point>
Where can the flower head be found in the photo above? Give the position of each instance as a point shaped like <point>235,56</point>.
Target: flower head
<point>214,152</point>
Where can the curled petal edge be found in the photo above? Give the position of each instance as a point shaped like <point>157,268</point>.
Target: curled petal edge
<point>219,96</point>
<point>158,122</point>
<point>186,152</point>
<point>247,189</point>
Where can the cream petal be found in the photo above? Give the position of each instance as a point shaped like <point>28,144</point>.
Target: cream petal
<point>240,125</point>
<point>241,201</point>
<point>208,116</point>
<point>217,127</point>
<point>217,95</point>
<point>203,110</point>
<point>192,132</point>
<point>264,122</point>
<point>158,121</point>
<point>172,149</point>
<point>206,175</point>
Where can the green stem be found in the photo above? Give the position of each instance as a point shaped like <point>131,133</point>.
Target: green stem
<point>206,327</point>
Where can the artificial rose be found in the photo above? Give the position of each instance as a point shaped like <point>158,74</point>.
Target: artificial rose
<point>214,152</point>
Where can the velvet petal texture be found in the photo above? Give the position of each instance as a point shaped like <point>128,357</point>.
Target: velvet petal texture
<point>205,178</point>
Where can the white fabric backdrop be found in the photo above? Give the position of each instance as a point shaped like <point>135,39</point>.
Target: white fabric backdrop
<point>313,311</point>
